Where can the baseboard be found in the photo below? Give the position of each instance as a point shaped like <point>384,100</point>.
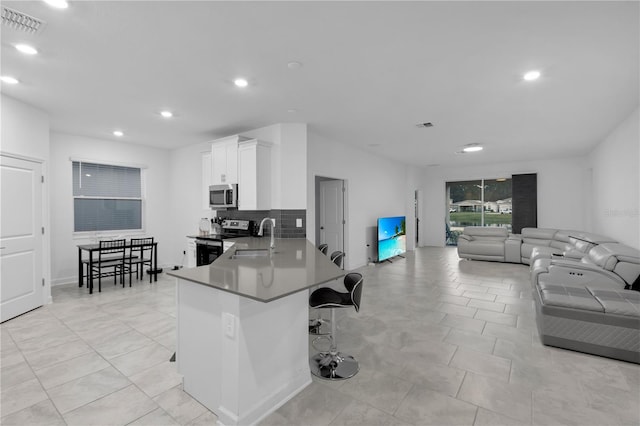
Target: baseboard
<point>64,280</point>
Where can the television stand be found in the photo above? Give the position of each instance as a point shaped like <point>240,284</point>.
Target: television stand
<point>391,261</point>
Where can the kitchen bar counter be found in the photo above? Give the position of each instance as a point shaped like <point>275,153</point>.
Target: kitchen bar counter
<point>242,340</point>
<point>293,265</point>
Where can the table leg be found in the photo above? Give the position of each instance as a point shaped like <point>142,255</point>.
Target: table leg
<point>90,272</point>
<point>80,269</point>
<point>155,263</point>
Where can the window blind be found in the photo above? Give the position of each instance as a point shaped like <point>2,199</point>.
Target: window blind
<point>106,197</point>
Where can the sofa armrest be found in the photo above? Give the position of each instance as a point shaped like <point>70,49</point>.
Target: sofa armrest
<point>465,237</point>
<point>591,273</point>
<point>512,250</point>
<point>573,254</point>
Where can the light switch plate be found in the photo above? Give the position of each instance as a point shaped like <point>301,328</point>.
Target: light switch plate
<point>298,223</point>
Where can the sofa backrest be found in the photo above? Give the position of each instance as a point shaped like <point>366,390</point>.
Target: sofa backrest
<point>490,233</point>
<point>562,240</point>
<point>537,236</point>
<point>618,258</point>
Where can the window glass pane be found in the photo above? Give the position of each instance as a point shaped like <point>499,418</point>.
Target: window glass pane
<point>103,180</point>
<point>477,203</point>
<point>106,215</point>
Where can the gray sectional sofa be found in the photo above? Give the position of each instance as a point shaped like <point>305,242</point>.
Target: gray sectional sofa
<point>583,285</point>
<point>587,305</point>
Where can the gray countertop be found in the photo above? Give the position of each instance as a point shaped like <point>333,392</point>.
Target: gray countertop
<point>293,265</point>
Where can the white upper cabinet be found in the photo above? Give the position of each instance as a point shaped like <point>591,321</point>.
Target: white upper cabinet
<point>206,179</point>
<point>254,175</point>
<point>224,160</point>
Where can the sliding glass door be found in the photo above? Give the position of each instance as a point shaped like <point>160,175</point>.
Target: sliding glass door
<point>482,202</point>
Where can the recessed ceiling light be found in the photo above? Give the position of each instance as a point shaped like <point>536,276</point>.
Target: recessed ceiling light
<point>292,110</point>
<point>532,75</point>
<point>240,82</point>
<point>166,114</point>
<point>472,148</point>
<point>118,133</point>
<point>501,180</point>
<point>294,65</point>
<point>9,80</point>
<point>58,4</point>
<point>26,49</point>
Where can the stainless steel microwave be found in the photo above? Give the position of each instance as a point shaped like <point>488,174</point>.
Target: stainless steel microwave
<point>223,196</point>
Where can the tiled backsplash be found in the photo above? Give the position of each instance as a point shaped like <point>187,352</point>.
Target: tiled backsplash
<point>285,220</point>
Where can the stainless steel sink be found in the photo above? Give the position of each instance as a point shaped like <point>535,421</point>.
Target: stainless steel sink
<point>250,253</point>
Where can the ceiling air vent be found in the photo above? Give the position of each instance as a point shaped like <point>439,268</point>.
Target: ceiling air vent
<point>21,21</point>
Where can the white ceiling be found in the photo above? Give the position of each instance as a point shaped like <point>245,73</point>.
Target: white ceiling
<point>371,71</point>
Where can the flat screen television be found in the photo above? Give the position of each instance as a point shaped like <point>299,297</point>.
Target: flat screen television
<point>392,238</point>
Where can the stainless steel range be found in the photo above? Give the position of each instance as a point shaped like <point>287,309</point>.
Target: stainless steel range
<point>209,247</point>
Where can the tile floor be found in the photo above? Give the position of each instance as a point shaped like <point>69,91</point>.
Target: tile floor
<point>440,342</point>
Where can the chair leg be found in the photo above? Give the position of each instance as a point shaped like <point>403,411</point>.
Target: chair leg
<point>333,365</point>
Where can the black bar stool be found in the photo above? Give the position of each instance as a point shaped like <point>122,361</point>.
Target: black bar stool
<point>323,248</point>
<point>334,365</point>
<point>315,325</point>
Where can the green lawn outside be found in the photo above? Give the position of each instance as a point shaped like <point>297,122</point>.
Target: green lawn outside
<point>473,218</point>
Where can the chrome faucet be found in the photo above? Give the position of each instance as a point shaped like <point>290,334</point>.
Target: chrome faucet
<point>273,230</point>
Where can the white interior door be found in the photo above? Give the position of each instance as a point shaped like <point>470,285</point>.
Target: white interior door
<point>332,214</point>
<point>20,237</point>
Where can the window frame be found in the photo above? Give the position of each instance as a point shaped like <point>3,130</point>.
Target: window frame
<point>110,232</point>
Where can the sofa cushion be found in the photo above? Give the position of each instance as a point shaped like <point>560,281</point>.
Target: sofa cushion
<point>568,297</point>
<point>619,302</point>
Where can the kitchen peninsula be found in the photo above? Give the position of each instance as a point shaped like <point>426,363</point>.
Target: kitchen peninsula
<point>242,326</point>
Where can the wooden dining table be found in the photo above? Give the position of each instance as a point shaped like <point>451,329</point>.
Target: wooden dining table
<point>95,248</point>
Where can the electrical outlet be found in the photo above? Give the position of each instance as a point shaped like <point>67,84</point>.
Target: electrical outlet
<point>229,324</point>
<point>184,252</point>
<point>298,223</point>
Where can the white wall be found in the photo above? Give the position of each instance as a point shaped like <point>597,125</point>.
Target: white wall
<point>376,187</point>
<point>288,163</point>
<point>24,131</point>
<point>615,165</point>
<point>562,191</point>
<point>157,195</point>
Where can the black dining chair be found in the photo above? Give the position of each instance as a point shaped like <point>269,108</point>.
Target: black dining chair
<point>111,261</point>
<point>140,254</point>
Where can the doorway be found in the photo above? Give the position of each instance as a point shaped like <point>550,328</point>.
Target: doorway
<point>416,205</point>
<point>330,212</point>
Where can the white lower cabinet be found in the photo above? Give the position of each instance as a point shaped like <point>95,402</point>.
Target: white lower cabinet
<point>191,254</point>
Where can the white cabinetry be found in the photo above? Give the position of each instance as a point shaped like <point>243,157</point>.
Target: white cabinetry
<point>254,175</point>
<point>224,154</point>
<point>191,254</point>
<point>206,179</point>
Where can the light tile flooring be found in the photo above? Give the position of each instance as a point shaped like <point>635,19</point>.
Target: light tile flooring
<point>440,342</point>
